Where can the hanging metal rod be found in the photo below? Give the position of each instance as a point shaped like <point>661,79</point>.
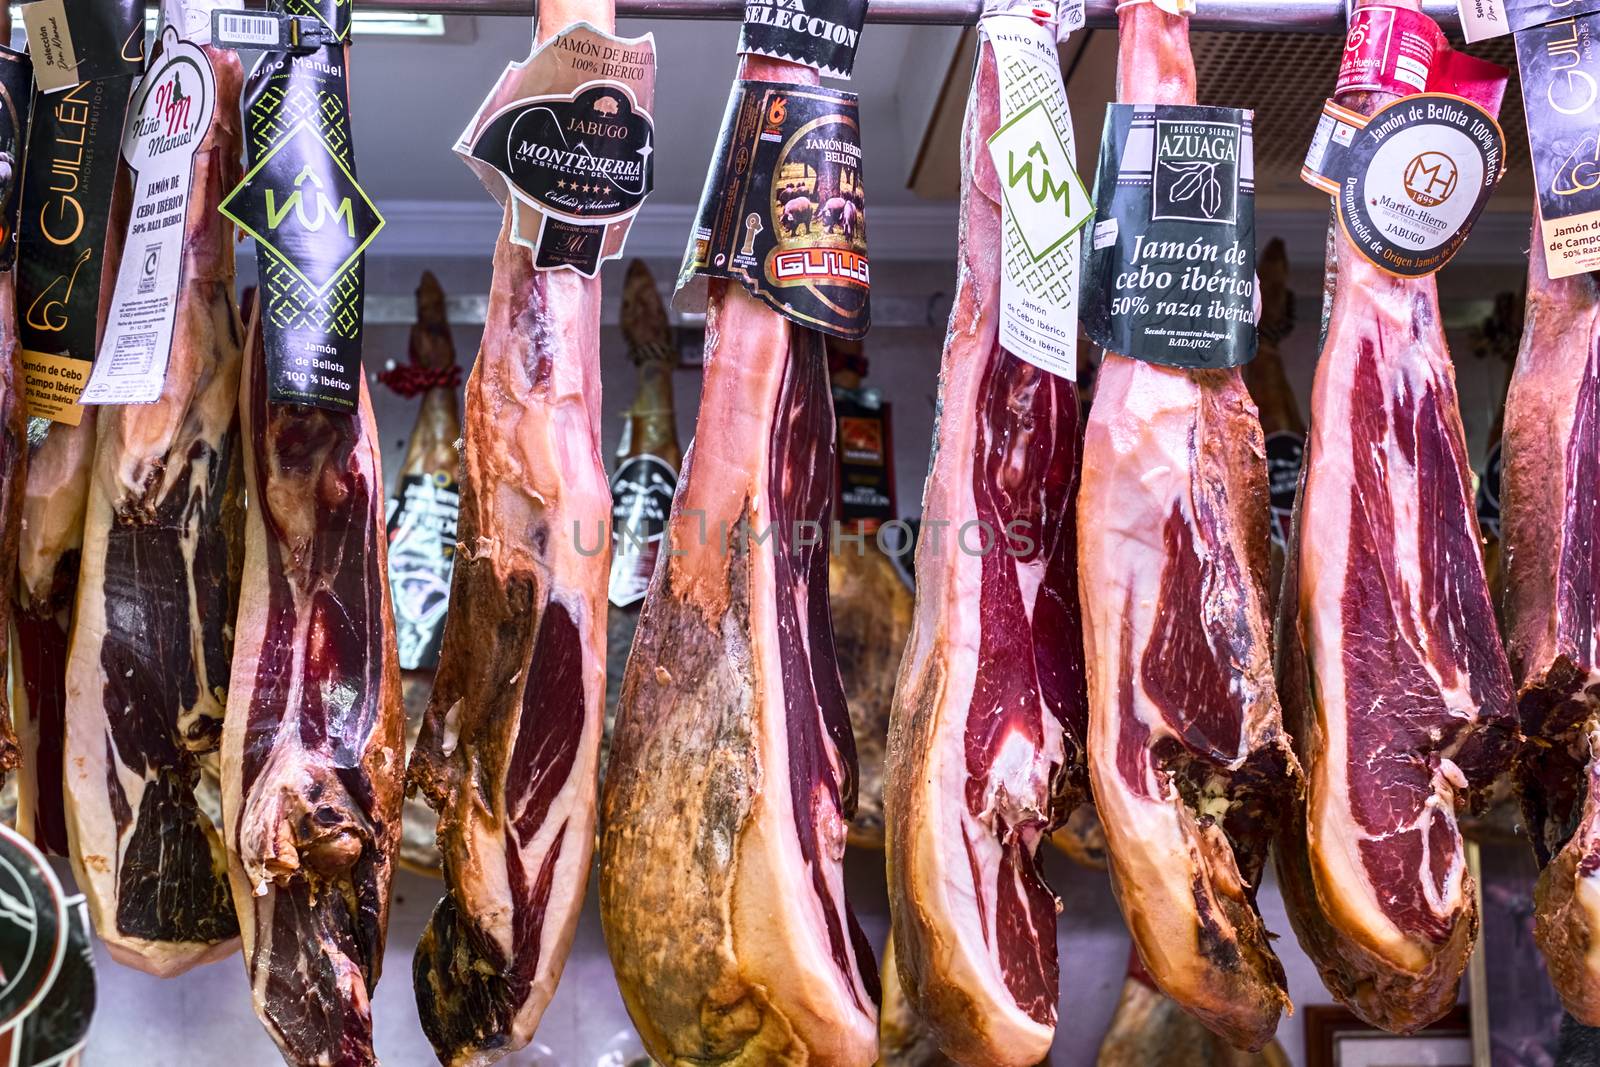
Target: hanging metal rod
<point>1289,16</point>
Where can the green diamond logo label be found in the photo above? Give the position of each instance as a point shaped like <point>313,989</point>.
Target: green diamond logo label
<point>1042,189</point>
<point>302,204</point>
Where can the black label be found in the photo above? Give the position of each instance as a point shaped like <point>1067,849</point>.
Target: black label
<point>587,159</point>
<point>1560,65</point>
<point>59,1026</point>
<point>1171,257</point>
<point>69,174</point>
<point>1489,493</point>
<point>641,500</point>
<point>1285,452</point>
<point>46,967</point>
<point>312,223</point>
<point>816,33</point>
<point>334,14</point>
<point>784,208</point>
<point>16,100</point>
<point>866,462</point>
<point>422,552</point>
<point>101,39</point>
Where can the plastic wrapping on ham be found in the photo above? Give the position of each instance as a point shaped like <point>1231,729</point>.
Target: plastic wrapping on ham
<point>1394,682</point>
<point>147,671</point>
<point>13,483</point>
<point>1550,504</point>
<point>988,725</point>
<point>510,745</point>
<point>1186,747</point>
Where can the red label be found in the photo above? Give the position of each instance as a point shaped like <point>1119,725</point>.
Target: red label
<point>1389,50</point>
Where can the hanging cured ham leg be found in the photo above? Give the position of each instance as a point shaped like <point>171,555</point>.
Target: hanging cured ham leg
<point>147,674</point>
<point>1186,745</point>
<point>313,745</point>
<point>1395,684</point>
<point>732,768</point>
<point>986,734</point>
<point>509,749</point>
<point>1550,502</point>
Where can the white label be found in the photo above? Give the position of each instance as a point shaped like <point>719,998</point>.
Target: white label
<point>169,116</point>
<point>55,62</point>
<point>1043,201</point>
<point>245,30</point>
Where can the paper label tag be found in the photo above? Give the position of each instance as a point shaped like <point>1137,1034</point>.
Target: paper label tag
<point>816,33</point>
<point>641,499</point>
<point>1043,201</point>
<point>168,119</point>
<point>784,208</point>
<point>574,149</point>
<point>1409,182</point>
<point>1483,19</point>
<point>16,104</point>
<point>79,42</point>
<point>1171,260</point>
<point>312,223</point>
<point>62,239</point>
<point>1560,64</point>
<point>422,550</point>
<point>865,451</point>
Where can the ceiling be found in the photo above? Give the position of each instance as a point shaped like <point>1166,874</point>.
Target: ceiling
<point>412,97</point>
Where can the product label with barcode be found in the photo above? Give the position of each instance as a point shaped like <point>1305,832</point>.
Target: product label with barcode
<point>574,148</point>
<point>237,30</point>
<point>1043,202</point>
<point>169,117</point>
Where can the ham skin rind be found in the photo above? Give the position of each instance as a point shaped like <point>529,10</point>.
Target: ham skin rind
<point>313,743</point>
<point>726,795</point>
<point>1188,755</point>
<point>1550,502</point>
<point>1394,682</point>
<point>147,671</point>
<point>509,750</point>
<point>986,734</point>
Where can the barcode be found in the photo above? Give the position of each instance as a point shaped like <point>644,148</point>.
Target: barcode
<point>247,29</point>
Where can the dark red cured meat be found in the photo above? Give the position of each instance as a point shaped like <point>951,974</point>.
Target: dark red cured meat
<point>312,751</point>
<point>990,712</point>
<point>148,669</point>
<point>1188,757</point>
<point>1393,680</point>
<point>509,748</point>
<point>1552,613</point>
<point>732,766</point>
